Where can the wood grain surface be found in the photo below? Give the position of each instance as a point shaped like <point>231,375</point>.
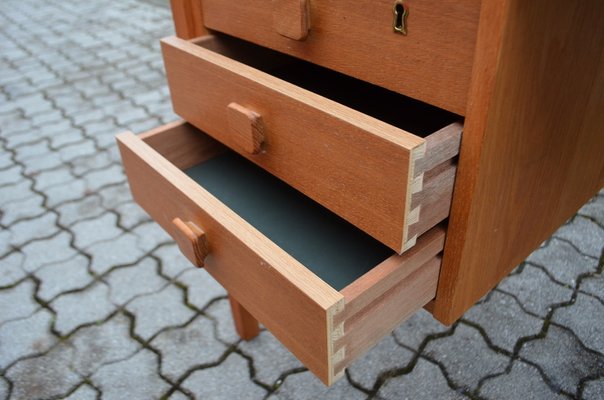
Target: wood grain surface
<point>432,63</point>
<point>188,18</point>
<point>533,144</point>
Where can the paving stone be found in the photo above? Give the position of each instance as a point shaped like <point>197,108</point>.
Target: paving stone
<point>131,215</point>
<point>231,379</point>
<point>3,388</point>
<point>28,151</point>
<point>129,282</point>
<point>586,235</point>
<point>47,376</point>
<point>594,285</point>
<point>158,311</point>
<point>594,209</point>
<point>63,276</point>
<point>43,226</point>
<point>460,364</point>
<point>503,320</point>
<point>220,312</point>
<point>33,104</point>
<point>523,381</point>
<point>76,150</point>
<point>30,208</point>
<point>19,191</point>
<point>563,359</point>
<point>305,386</point>
<point>144,125</point>
<point>185,348</point>
<point>589,330</point>
<point>85,208</point>
<point>11,175</point>
<point>122,250</point>
<point>386,355</point>
<point>5,246</point>
<point>178,396</point>
<point>134,378</point>
<point>50,178</point>
<point>49,251</point>
<point>69,191</point>
<point>271,358</point>
<point>173,263</point>
<point>25,337</point>
<point>79,308</point>
<point>25,142</point>
<point>17,302</point>
<point>40,120</point>
<point>425,381</point>
<point>115,195</point>
<point>594,390</point>
<point>131,115</point>
<point>109,176</point>
<point>84,392</point>
<point>61,134</point>
<point>202,288</point>
<point>103,344</point>
<point>96,230</point>
<point>11,271</point>
<point>563,261</point>
<point>416,328</point>
<point>80,118</point>
<point>535,291</point>
<point>5,160</point>
<point>98,161</point>
<point>151,235</point>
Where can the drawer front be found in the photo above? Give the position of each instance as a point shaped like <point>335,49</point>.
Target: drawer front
<point>433,62</point>
<point>359,167</point>
<point>325,328</point>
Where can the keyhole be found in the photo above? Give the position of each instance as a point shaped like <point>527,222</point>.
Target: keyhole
<point>400,18</point>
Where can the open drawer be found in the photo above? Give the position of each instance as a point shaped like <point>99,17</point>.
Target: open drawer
<point>380,160</point>
<point>325,289</point>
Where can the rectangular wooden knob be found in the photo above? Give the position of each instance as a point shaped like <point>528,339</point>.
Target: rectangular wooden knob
<point>246,127</point>
<point>191,241</point>
<point>291,18</point>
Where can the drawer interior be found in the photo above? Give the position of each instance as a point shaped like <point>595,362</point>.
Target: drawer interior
<point>325,289</point>
<point>403,112</point>
<point>330,247</point>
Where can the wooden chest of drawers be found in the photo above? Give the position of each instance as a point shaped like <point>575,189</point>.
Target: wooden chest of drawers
<point>314,187</point>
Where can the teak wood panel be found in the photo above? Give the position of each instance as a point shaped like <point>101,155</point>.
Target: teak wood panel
<point>187,17</point>
<point>533,145</point>
<point>357,166</point>
<point>432,63</point>
<point>297,306</point>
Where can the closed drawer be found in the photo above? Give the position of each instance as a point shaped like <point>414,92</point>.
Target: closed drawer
<point>380,160</point>
<point>432,63</point>
<point>325,289</point>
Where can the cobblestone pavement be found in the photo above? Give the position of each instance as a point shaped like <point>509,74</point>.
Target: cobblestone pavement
<point>96,301</point>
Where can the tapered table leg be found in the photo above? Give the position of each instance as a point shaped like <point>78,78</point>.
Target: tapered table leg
<point>246,325</point>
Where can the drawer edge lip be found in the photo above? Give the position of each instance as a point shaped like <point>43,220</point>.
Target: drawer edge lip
<point>265,247</point>
<point>400,137</point>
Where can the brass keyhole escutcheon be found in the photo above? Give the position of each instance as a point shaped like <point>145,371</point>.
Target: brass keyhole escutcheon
<point>401,12</point>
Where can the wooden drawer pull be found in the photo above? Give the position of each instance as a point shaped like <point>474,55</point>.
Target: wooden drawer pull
<point>247,127</point>
<point>191,241</point>
<point>291,18</point>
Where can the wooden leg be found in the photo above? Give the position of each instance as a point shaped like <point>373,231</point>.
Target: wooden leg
<point>246,325</point>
